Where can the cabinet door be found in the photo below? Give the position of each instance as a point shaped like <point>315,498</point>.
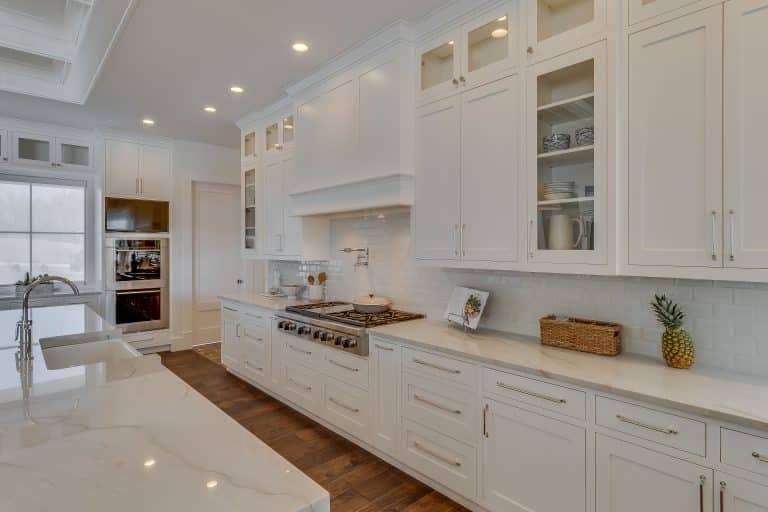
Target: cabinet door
<point>640,10</point>
<point>738,495</point>
<point>292,225</point>
<point>231,353</point>
<point>248,145</point>
<point>252,204</point>
<point>155,173</point>
<point>745,108</point>
<point>532,463</point>
<point>122,168</point>
<point>273,208</point>
<point>489,46</point>
<point>559,26</point>
<point>30,148</point>
<point>490,160</point>
<point>437,180</point>
<point>675,142</point>
<point>632,479</point>
<point>386,374</point>
<point>73,153</point>
<point>439,67</point>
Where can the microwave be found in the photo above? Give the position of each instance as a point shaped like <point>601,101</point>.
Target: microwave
<point>135,215</point>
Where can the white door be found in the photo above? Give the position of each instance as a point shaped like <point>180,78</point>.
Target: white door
<point>155,175</point>
<point>122,172</point>
<point>532,463</point>
<point>738,495</point>
<point>490,162</point>
<point>273,208</point>
<point>216,258</point>
<point>745,108</point>
<point>385,389</point>
<point>633,479</point>
<point>675,142</point>
<point>437,180</point>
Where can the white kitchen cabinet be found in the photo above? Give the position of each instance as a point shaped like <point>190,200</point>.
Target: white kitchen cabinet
<point>4,145</point>
<point>51,151</point>
<point>277,137</point>
<point>634,479</point>
<point>72,153</point>
<point>248,145</point>
<point>385,379</point>
<point>531,462</point>
<point>739,495</point>
<point>138,171</point>
<point>566,184</point>
<point>437,180</point>
<point>745,108</point>
<point>255,348</point>
<point>253,210</point>
<point>641,10</point>
<point>231,346</point>
<point>675,173</point>
<point>559,26</point>
<point>274,208</point>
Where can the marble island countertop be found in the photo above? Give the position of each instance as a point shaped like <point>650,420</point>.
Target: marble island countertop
<point>127,435</point>
<point>715,394</point>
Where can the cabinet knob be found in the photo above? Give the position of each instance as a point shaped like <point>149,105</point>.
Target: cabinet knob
<point>455,82</point>
<point>529,49</point>
<point>5,159</point>
<point>462,79</point>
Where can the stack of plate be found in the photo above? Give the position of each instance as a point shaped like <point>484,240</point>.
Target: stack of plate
<point>559,189</point>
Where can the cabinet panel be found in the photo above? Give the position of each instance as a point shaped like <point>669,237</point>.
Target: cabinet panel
<point>439,367</point>
<point>744,451</point>
<point>490,160</point>
<point>558,26</point>
<point>346,407</point>
<point>4,145</point>
<point>739,495</point>
<point>379,120</point>
<point>31,148</point>
<point>122,168</point>
<point>256,349</point>
<point>437,180</point>
<point>675,173</point>
<point>348,368</point>
<point>274,197</point>
<point>531,462</point>
<point>155,173</point>
<point>231,350</point>
<point>745,110</point>
<point>632,479</point>
<point>386,372</point>
<point>439,66</point>
<point>292,225</point>
<point>444,408</point>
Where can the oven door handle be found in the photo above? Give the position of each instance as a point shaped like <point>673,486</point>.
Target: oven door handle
<point>136,292</point>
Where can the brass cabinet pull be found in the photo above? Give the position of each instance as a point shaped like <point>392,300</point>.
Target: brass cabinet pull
<point>382,347</point>
<point>436,455</point>
<point>702,479</point>
<point>530,247</point>
<point>722,496</point>
<point>437,367</point>
<point>463,230</point>
<point>230,309</point>
<point>257,368</point>
<point>758,456</point>
<point>714,235</point>
<point>532,393</point>
<point>485,420</point>
<point>306,388</point>
<point>455,82</point>
<point>435,404</point>
<point>637,423</point>
<point>343,406</point>
<point>529,49</point>
<point>732,255</point>
<point>343,366</point>
<point>307,352</point>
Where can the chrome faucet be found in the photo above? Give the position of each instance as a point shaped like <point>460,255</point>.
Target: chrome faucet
<point>24,326</point>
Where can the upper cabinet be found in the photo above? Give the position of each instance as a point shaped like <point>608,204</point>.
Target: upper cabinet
<point>248,145</point>
<point>252,210</point>
<point>278,137</point>
<point>641,10</point>
<point>566,159</point>
<point>137,170</point>
<point>43,150</point>
<point>479,51</point>
<point>558,26</point>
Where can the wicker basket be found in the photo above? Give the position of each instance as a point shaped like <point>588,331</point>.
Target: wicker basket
<point>602,338</point>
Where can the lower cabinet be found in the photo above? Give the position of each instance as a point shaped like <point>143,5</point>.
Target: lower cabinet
<point>231,348</point>
<point>347,407</point>
<point>385,374</point>
<point>634,479</point>
<point>532,463</point>
<point>739,495</point>
<point>255,350</point>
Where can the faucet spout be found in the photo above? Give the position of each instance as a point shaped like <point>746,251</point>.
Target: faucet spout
<point>24,326</point>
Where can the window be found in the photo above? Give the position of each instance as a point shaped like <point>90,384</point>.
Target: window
<point>42,228</point>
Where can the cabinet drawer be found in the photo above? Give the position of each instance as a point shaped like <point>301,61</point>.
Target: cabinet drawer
<point>301,386</point>
<point>302,351</point>
<point>661,427</point>
<point>567,401</point>
<point>441,458</point>
<point>447,409</point>
<point>347,408</point>
<point>255,317</point>
<point>451,370</point>
<point>346,367</point>
<point>744,451</point>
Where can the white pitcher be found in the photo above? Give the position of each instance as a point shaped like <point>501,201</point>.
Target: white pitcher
<point>561,232</point>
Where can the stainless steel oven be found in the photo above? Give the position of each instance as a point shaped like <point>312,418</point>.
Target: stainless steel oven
<point>136,263</point>
<point>138,310</point>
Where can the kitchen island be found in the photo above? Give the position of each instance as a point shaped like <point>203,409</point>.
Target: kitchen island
<point>123,433</point>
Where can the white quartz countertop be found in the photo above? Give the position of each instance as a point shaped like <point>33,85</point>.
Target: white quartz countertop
<point>719,395</point>
<point>129,435</point>
<point>259,300</point>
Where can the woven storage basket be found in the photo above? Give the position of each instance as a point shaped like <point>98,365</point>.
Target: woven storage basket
<point>602,338</point>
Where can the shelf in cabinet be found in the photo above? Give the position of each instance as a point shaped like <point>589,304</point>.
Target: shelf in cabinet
<point>570,200</point>
<point>571,109</point>
<point>571,156</point>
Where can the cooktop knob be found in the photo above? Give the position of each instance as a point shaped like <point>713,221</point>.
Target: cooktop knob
<point>280,325</point>
<point>290,326</point>
<point>303,330</point>
<point>338,340</point>
<point>352,343</point>
<point>347,343</point>
<point>326,336</point>
<point>316,335</point>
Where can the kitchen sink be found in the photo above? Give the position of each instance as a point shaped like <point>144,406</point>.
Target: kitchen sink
<point>58,356</point>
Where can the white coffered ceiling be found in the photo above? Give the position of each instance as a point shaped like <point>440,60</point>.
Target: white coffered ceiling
<point>175,56</point>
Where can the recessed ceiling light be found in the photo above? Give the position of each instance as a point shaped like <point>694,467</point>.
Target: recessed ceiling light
<point>149,463</point>
<point>503,18</point>
<point>211,484</point>
<point>300,47</point>
<point>210,109</point>
<point>236,89</point>
<point>499,33</point>
<point>450,43</point>
<point>149,122</point>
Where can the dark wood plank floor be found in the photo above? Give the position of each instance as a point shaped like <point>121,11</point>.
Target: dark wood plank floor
<point>356,480</point>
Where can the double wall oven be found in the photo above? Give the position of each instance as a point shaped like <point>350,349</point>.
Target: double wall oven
<point>137,283</point>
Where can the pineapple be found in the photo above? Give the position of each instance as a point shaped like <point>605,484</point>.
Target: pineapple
<point>676,343</point>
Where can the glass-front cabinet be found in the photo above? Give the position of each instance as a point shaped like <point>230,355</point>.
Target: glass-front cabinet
<point>251,205</point>
<point>557,26</point>
<point>3,145</point>
<point>44,150</point>
<point>278,136</point>
<point>566,162</point>
<point>248,145</point>
<point>29,148</point>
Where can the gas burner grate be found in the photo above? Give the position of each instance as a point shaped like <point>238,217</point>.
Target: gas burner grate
<point>316,305</point>
<point>372,319</point>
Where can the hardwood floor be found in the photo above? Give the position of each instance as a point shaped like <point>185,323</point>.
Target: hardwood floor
<point>356,480</point>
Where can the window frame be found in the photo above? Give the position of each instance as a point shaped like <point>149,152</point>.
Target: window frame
<point>66,182</point>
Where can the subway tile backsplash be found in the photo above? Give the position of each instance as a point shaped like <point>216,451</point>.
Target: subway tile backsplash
<point>728,320</point>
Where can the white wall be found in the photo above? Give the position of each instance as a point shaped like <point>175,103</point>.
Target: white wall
<point>191,162</point>
<point>728,320</point>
